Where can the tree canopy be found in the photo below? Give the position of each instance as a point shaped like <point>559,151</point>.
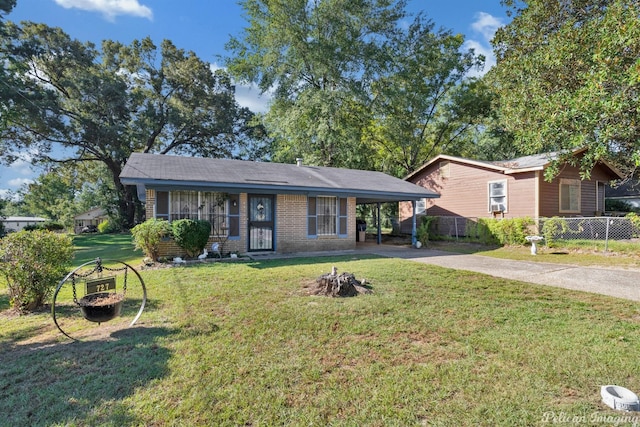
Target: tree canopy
<point>424,102</point>
<point>353,84</point>
<point>568,76</point>
<point>102,105</point>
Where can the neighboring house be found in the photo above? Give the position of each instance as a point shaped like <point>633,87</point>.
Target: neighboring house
<point>263,206</point>
<point>628,192</point>
<point>17,223</point>
<point>91,217</point>
<point>512,188</point>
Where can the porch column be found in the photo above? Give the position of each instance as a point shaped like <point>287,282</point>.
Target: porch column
<point>414,232</point>
<point>379,224</point>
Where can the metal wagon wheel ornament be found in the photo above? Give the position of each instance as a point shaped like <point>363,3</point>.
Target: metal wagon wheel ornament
<point>102,299</point>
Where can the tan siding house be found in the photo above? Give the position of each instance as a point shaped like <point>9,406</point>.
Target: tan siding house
<point>508,189</point>
<point>263,206</point>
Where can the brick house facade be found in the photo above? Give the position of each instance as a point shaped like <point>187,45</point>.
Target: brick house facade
<point>262,206</point>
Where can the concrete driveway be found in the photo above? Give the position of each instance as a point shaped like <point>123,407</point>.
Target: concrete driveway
<point>616,282</point>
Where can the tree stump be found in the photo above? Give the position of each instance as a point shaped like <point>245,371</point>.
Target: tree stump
<point>339,285</point>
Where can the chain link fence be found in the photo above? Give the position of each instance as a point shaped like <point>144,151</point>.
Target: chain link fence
<point>601,228</point>
<point>596,228</point>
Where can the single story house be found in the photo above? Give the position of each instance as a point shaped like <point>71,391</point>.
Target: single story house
<point>17,223</point>
<point>508,189</point>
<point>91,217</point>
<point>263,206</point>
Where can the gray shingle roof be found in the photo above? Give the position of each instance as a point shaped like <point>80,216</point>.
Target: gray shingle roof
<point>206,174</point>
<point>526,162</point>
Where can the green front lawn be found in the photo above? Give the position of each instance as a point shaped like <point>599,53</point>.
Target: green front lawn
<point>106,246</point>
<point>242,344</point>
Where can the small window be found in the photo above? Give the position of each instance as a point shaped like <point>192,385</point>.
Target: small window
<point>569,195</point>
<point>498,196</point>
<point>421,207</point>
<point>162,205</point>
<point>342,220</point>
<point>312,229</point>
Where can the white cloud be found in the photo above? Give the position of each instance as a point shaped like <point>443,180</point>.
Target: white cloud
<point>481,49</point>
<point>484,26</point>
<point>109,8</point>
<point>487,25</point>
<point>19,182</point>
<point>249,95</point>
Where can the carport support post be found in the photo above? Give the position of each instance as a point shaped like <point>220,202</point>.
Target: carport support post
<point>414,233</point>
<point>379,224</point>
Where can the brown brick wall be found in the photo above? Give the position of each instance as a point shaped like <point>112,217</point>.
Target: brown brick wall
<point>291,227</point>
<point>290,224</point>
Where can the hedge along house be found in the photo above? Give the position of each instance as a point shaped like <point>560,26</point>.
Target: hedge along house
<point>263,206</point>
<point>508,189</point>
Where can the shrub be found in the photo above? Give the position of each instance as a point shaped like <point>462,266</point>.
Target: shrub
<point>49,226</point>
<point>191,235</point>
<point>148,235</point>
<point>108,226</point>
<point>422,233</point>
<point>33,262</point>
<point>634,219</point>
<point>510,231</point>
<point>552,227</point>
<point>484,231</point>
<point>52,226</point>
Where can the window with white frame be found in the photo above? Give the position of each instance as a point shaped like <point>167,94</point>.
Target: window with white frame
<point>569,195</point>
<point>421,207</point>
<point>498,196</point>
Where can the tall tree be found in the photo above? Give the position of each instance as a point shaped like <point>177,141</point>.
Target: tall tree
<point>319,58</point>
<point>423,103</point>
<point>5,87</point>
<point>568,77</point>
<point>52,195</point>
<point>102,105</point>
<point>354,85</point>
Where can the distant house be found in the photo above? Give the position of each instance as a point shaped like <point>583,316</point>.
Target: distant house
<point>263,206</point>
<point>508,189</point>
<point>17,223</point>
<point>92,217</point>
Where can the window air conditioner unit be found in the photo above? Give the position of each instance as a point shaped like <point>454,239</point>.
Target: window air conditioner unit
<point>497,208</point>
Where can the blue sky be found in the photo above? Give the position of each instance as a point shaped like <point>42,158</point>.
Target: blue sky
<point>204,26</point>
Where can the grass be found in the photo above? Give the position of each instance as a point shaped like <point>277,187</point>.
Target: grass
<point>242,344</point>
<point>106,246</point>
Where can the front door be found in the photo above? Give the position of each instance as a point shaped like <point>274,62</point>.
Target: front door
<point>260,223</point>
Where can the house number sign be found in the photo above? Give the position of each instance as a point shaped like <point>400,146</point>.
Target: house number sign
<point>100,285</point>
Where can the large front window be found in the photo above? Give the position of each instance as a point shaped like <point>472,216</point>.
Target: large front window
<point>327,216</point>
<point>219,209</point>
<point>569,195</point>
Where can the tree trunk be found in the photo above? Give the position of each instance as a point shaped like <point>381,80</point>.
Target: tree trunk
<point>339,285</point>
